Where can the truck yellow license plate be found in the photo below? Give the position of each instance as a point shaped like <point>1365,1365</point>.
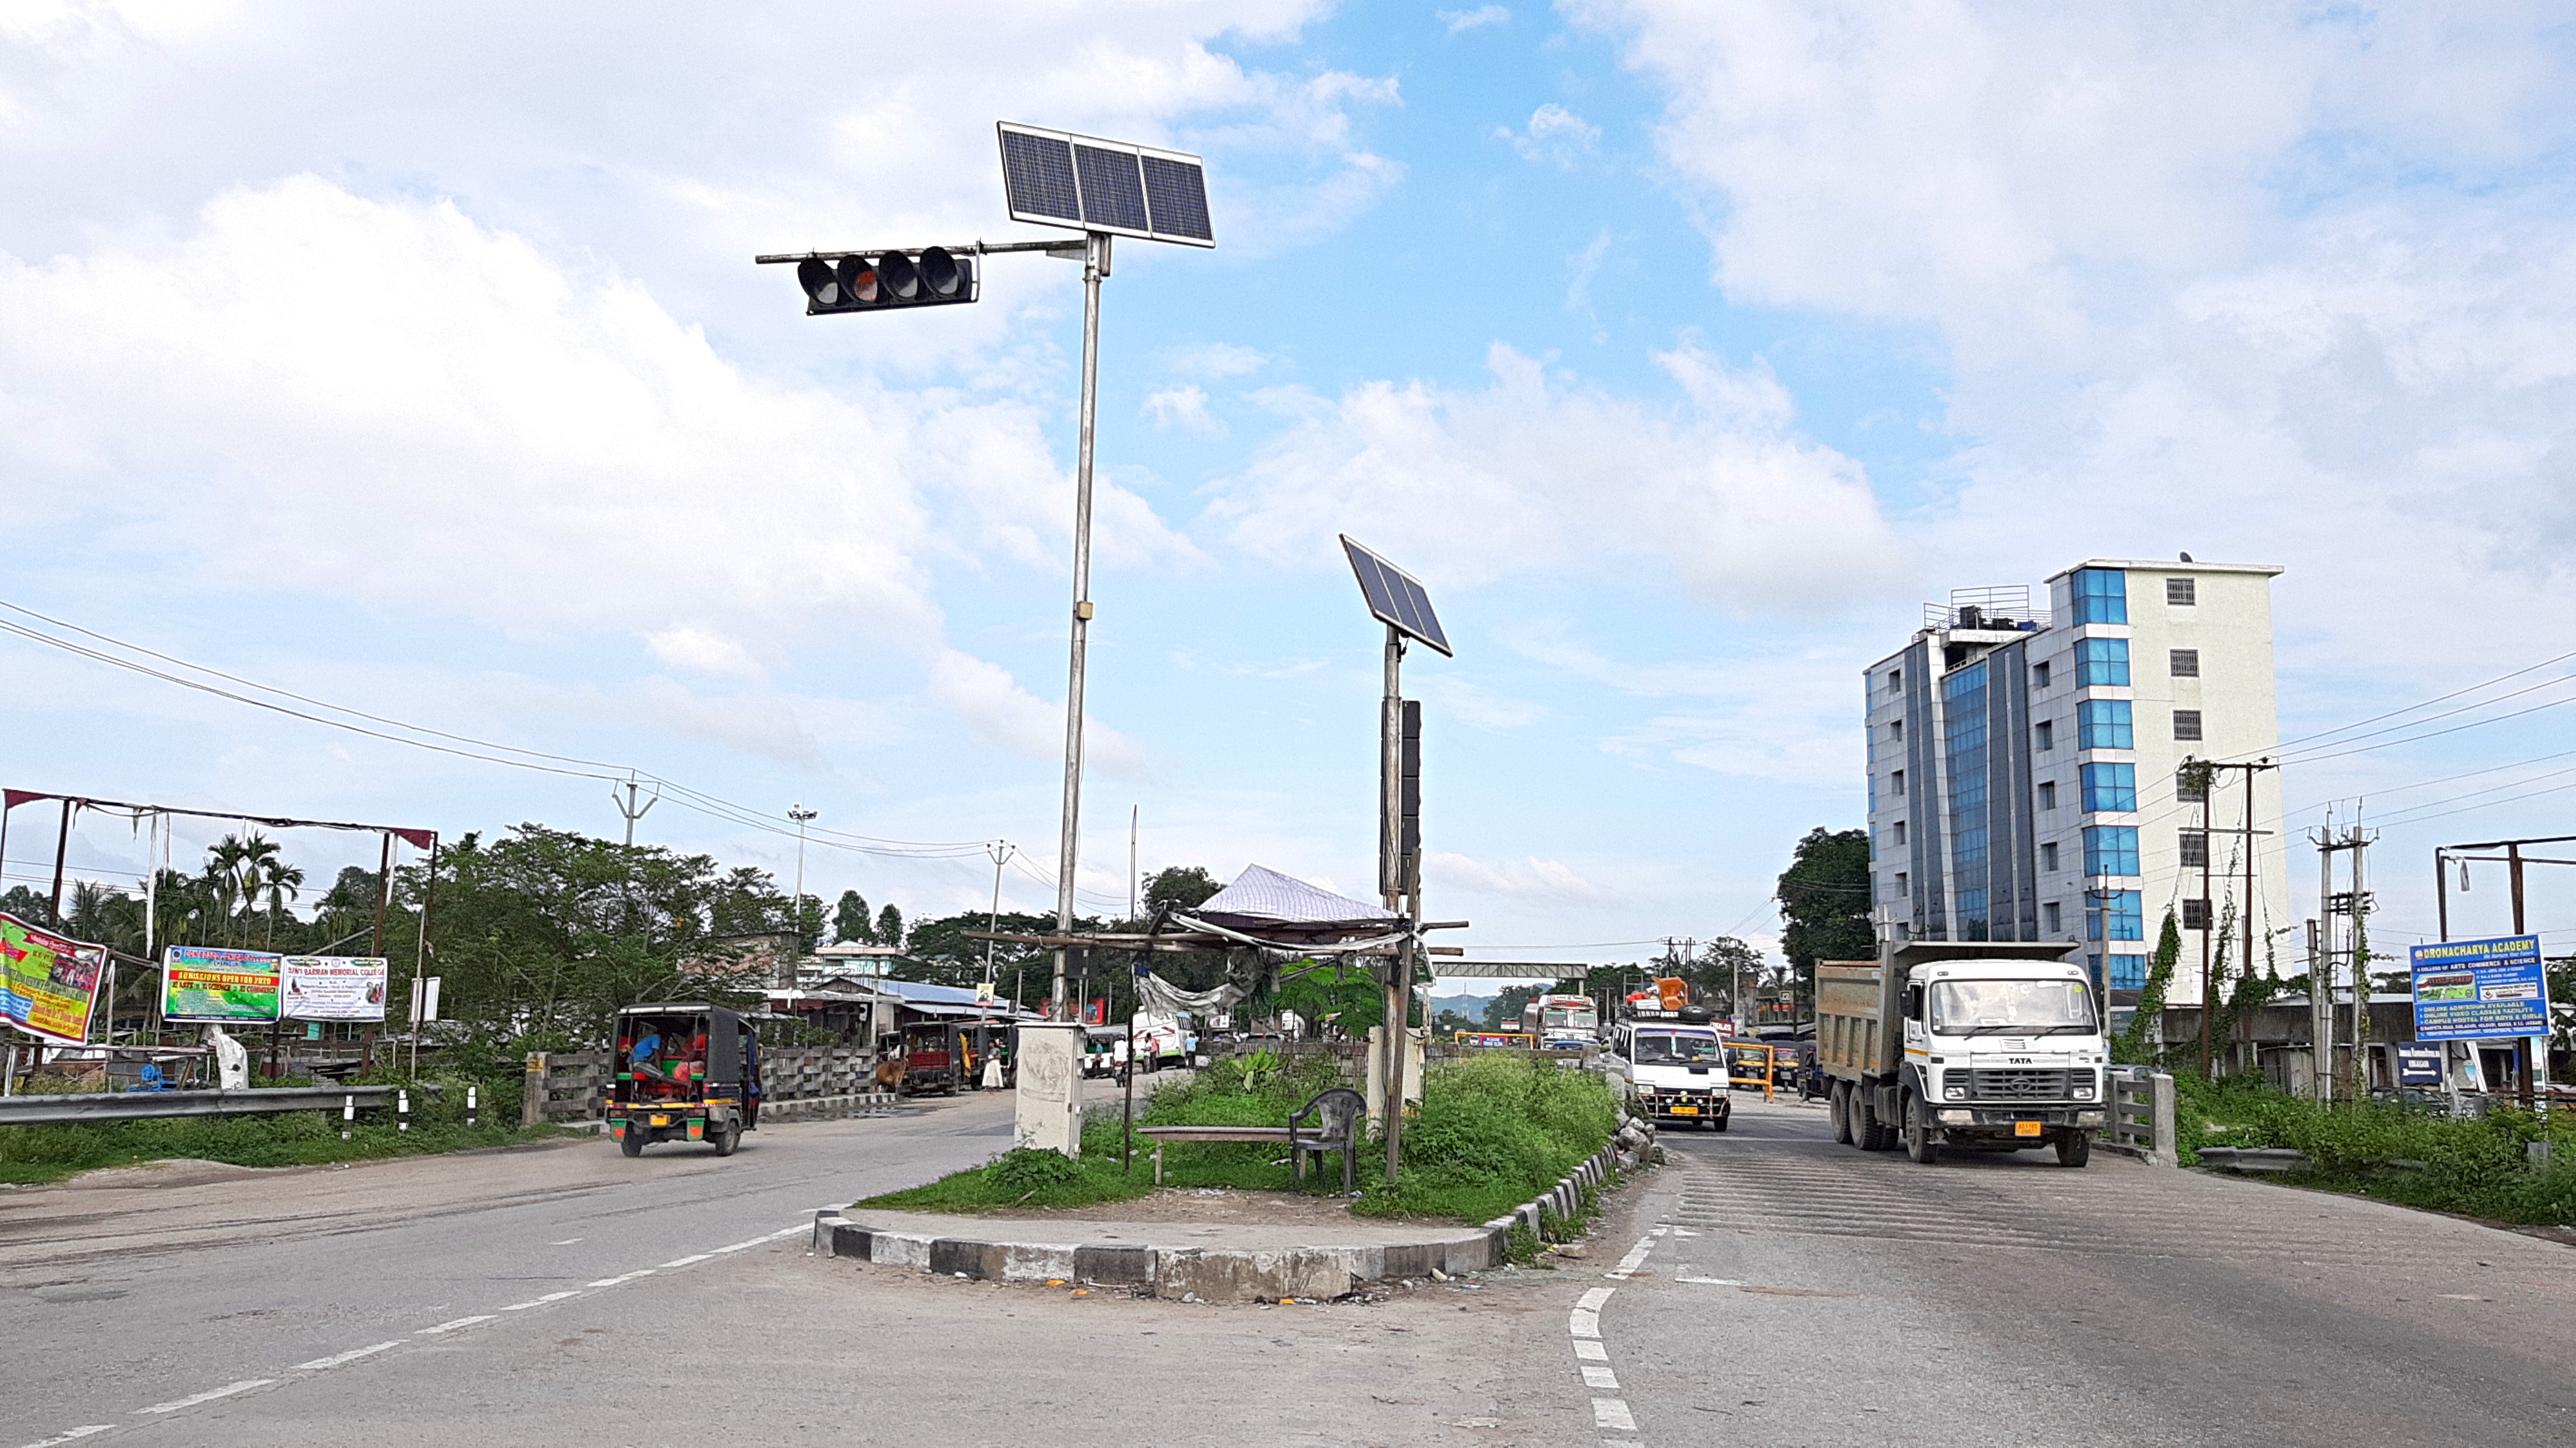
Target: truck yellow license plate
<point>2025,1128</point>
<point>1686,1111</point>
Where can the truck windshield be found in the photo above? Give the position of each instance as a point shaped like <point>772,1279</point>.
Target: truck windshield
<point>2011,1007</point>
<point>1661,1048</point>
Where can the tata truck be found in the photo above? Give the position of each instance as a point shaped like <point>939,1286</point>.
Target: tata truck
<point>1963,1046</point>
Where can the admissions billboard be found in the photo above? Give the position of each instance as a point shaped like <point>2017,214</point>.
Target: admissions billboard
<point>333,987</point>
<point>47,981</point>
<point>225,987</point>
<point>2469,990</point>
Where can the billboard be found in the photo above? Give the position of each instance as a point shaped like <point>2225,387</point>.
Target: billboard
<point>332,987</point>
<point>2480,989</point>
<point>47,981</point>
<point>226,987</point>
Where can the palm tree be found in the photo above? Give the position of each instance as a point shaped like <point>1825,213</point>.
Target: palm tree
<point>283,882</point>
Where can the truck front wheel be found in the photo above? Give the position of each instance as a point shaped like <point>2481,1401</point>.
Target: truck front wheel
<point>2075,1148</point>
<point>1921,1143</point>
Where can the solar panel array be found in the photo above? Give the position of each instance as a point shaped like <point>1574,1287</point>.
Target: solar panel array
<point>1396,597</point>
<point>1056,178</point>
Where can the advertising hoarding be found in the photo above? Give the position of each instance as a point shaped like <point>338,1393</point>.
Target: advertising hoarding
<point>47,981</point>
<point>2469,990</point>
<point>332,987</point>
<point>225,987</point>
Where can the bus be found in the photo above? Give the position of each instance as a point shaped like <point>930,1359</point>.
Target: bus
<point>1562,1021</point>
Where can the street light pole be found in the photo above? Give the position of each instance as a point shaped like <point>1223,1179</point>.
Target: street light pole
<point>1095,267</point>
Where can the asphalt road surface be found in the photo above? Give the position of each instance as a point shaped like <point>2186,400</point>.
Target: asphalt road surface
<point>1791,1291</point>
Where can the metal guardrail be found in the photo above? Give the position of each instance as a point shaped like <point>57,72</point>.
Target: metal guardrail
<point>157,1105</point>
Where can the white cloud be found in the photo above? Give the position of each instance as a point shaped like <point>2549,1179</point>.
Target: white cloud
<point>1460,21</point>
<point>1531,878</point>
<point>1554,135</point>
<point>1183,406</point>
<point>1529,474</point>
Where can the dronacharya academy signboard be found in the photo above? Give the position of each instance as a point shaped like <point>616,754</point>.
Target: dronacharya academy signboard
<point>47,981</point>
<point>2468,990</point>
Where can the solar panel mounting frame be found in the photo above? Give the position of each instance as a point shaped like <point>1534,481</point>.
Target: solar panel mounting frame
<point>1396,598</point>
<point>1032,197</point>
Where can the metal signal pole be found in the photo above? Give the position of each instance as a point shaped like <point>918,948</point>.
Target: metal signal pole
<point>1095,267</point>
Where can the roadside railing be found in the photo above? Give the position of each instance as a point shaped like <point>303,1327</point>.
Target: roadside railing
<point>2142,1115</point>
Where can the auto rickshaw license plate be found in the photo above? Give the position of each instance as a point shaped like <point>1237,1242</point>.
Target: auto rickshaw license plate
<point>1686,1111</point>
<point>2025,1128</point>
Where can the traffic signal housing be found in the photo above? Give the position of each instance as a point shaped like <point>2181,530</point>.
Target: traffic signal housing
<point>879,281</point>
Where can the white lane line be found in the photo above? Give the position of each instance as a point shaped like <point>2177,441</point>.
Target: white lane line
<point>1612,1413</point>
<point>74,1434</point>
<point>618,1281</point>
<point>1636,1257</point>
<point>540,1301</point>
<point>685,1261</point>
<point>1600,1378</point>
<point>333,1361</point>
<point>453,1326</point>
<point>208,1396</point>
<point>1590,1352</point>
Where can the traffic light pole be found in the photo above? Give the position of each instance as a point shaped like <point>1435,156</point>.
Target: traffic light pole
<point>1095,267</point>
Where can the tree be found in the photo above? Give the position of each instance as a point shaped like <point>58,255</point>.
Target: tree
<point>890,927</point>
<point>850,923</point>
<point>1184,886</point>
<point>1824,900</point>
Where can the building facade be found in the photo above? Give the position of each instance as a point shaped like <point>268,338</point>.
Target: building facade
<point>2025,769</point>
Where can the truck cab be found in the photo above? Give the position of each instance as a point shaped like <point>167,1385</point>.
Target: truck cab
<point>1674,1072</point>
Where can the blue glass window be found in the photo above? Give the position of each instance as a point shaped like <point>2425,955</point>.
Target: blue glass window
<point>2111,849</point>
<point>2128,972</point>
<point>2101,595</point>
<point>2104,724</point>
<point>2110,786</point>
<point>2116,915</point>
<point>2102,661</point>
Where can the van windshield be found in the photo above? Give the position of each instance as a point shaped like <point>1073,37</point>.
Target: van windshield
<point>1664,1048</point>
<point>2012,1007</point>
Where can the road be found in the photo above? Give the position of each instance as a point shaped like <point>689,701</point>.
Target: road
<point>1791,1291</point>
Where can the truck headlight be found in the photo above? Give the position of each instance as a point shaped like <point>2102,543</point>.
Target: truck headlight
<point>1954,1093</point>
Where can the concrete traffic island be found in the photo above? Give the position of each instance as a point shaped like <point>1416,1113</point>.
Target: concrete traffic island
<point>1211,1261</point>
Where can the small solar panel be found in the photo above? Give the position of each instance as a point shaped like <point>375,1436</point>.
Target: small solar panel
<point>1037,176</point>
<point>1056,178</point>
<point>1176,193</point>
<point>1395,597</point>
<point>1113,193</point>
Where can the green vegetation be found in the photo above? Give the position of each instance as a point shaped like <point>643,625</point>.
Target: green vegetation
<point>2480,1167</point>
<point>36,1154</point>
<point>1493,1132</point>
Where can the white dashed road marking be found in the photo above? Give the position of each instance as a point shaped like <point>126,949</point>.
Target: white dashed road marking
<point>208,1396</point>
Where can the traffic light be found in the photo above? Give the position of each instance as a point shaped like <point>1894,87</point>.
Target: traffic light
<point>930,277</point>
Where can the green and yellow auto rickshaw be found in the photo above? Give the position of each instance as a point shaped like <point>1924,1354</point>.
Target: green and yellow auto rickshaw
<point>685,1072</point>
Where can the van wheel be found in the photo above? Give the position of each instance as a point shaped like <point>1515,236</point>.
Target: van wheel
<point>1838,1106</point>
<point>2075,1148</point>
<point>1920,1142</point>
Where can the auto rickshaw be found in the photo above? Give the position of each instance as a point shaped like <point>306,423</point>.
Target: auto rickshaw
<point>685,1072</point>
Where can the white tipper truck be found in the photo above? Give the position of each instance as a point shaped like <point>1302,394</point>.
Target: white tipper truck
<point>1968,1045</point>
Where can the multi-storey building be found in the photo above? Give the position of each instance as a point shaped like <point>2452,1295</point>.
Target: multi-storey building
<point>2024,767</point>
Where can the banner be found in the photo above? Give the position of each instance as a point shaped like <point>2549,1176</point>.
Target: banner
<point>47,981</point>
<point>2469,990</point>
<point>333,987</point>
<point>228,987</point>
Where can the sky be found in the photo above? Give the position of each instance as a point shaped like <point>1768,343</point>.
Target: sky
<point>411,359</point>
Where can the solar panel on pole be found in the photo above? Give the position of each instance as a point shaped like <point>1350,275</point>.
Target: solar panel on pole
<point>1396,597</point>
<point>1056,178</point>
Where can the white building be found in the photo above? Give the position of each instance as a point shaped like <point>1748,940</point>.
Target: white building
<point>2023,763</point>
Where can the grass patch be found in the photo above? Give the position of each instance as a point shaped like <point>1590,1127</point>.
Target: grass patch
<point>1493,1132</point>
<point>32,1155</point>
<point>2479,1167</point>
